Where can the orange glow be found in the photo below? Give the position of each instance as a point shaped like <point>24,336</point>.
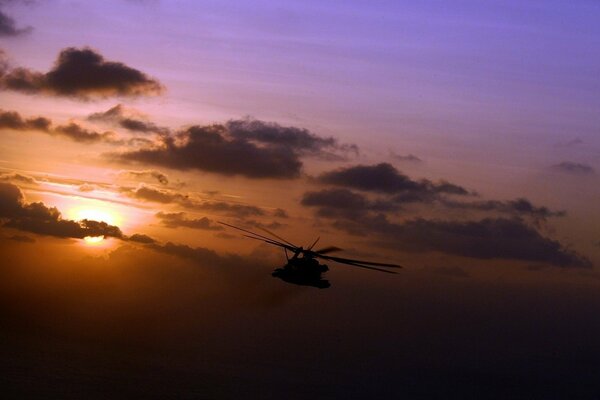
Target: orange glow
<point>92,240</point>
<point>103,214</point>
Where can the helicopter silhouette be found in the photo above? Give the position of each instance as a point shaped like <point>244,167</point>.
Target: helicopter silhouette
<point>303,267</point>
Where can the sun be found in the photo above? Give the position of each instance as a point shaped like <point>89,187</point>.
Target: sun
<point>103,214</point>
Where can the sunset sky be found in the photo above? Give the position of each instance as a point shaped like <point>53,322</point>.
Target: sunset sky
<point>460,139</point>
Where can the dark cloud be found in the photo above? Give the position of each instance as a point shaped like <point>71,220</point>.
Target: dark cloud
<point>574,168</point>
<point>159,176</point>
<point>13,120</point>
<point>280,213</point>
<point>250,148</point>
<point>8,26</point>
<point>384,178</point>
<point>4,64</point>
<point>230,209</point>
<point>336,203</point>
<point>408,157</point>
<point>80,134</point>
<point>177,220</point>
<point>295,139</point>
<point>521,206</point>
<point>489,238</point>
<point>74,131</point>
<point>120,116</point>
<point>147,193</point>
<point>141,238</point>
<point>250,223</point>
<point>211,149</point>
<point>84,74</point>
<point>199,254</point>
<point>37,218</point>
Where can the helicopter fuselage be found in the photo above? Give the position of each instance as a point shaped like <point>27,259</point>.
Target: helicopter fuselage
<point>304,271</point>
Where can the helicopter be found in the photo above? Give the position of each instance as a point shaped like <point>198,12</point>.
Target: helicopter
<point>303,267</point>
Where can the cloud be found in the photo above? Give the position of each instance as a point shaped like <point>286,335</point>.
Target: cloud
<point>199,254</point>
<point>339,202</point>
<point>72,130</point>
<point>209,148</point>
<point>395,189</point>
<point>84,74</point>
<point>86,187</point>
<point>488,238</point>
<point>280,213</point>
<point>574,168</point>
<point>16,177</point>
<point>13,120</point>
<point>127,119</point>
<point>257,224</point>
<point>519,206</point>
<point>8,26</point>
<point>80,134</point>
<point>336,203</point>
<point>177,220</point>
<point>37,218</point>
<point>249,148</point>
<point>147,193</point>
<point>159,176</point>
<point>384,178</point>
<point>4,63</point>
<point>229,209</point>
<point>296,139</point>
<point>408,157</point>
<point>141,238</point>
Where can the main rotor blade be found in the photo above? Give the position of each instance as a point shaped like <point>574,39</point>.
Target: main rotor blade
<point>326,250</point>
<point>252,233</point>
<point>277,236</point>
<point>367,267</point>
<point>351,261</point>
<point>313,245</point>
<point>285,246</point>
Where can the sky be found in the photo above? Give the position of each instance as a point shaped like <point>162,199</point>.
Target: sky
<point>459,139</point>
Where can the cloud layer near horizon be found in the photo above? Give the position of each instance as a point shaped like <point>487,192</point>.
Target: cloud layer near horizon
<point>43,220</point>
<point>366,201</point>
